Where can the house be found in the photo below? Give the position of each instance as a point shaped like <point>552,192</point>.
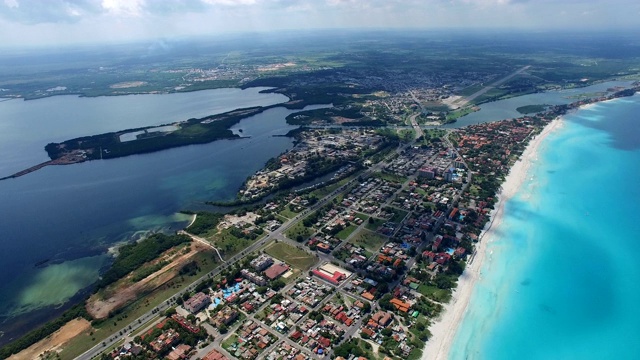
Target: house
<point>400,305</point>
<point>180,352</point>
<point>382,318</point>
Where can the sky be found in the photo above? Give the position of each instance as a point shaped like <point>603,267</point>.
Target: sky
<point>33,23</point>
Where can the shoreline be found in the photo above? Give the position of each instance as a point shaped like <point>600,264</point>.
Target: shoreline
<point>446,326</point>
<point>195,216</point>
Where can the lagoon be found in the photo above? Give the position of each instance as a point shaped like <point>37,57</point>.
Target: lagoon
<point>70,215</point>
<point>27,126</point>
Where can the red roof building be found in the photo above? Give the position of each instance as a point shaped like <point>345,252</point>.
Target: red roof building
<point>275,270</point>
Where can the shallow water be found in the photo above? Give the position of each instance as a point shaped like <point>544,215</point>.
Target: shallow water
<point>562,279</point>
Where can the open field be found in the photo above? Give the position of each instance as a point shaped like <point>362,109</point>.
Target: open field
<point>287,213</point>
<point>82,342</point>
<point>390,177</point>
<point>373,226</point>
<point>54,341</point>
<point>344,233</point>
<point>434,293</point>
<point>126,290</point>
<point>369,240</point>
<point>299,230</point>
<point>293,256</point>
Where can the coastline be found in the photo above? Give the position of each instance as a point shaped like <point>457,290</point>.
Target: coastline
<point>445,328</point>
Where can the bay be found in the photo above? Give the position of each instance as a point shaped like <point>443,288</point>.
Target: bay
<point>27,126</point>
<point>70,215</point>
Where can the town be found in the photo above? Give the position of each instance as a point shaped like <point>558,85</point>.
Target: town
<point>356,268</point>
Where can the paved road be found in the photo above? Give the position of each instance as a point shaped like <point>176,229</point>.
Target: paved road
<point>464,101</point>
<point>277,234</point>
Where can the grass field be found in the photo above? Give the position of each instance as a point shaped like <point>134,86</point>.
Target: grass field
<point>362,216</point>
<point>299,229</point>
<point>293,256</point>
<point>373,226</point>
<point>344,233</point>
<point>229,244</point>
<point>470,90</point>
<point>390,177</point>
<point>369,240</point>
<point>460,113</point>
<point>288,213</point>
<point>435,294</point>
<point>398,215</point>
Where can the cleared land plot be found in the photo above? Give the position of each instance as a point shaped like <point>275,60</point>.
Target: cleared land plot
<point>434,293</point>
<point>391,177</point>
<point>374,224</point>
<point>288,213</point>
<point>344,233</point>
<point>54,341</point>
<point>369,240</point>
<point>398,215</point>
<point>83,342</point>
<point>299,230</point>
<point>291,255</point>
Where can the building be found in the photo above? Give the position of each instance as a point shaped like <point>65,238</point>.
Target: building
<point>276,270</point>
<point>224,317</point>
<point>400,305</point>
<point>333,278</point>
<point>197,302</point>
<point>253,277</point>
<point>331,273</point>
<point>165,340</point>
<point>382,318</point>
<point>180,352</point>
<point>261,262</point>
<point>214,355</point>
<point>427,173</point>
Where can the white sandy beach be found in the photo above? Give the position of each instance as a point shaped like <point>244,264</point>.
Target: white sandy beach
<point>444,330</point>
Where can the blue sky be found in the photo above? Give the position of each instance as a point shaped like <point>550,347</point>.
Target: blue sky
<point>46,22</point>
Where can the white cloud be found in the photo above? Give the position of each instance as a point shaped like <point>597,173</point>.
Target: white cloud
<point>11,3</point>
<point>124,7</point>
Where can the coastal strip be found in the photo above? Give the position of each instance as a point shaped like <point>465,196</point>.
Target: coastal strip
<point>444,330</point>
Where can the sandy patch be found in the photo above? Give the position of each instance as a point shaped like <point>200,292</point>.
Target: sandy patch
<point>125,291</point>
<point>451,101</point>
<point>444,330</point>
<point>55,341</point>
<point>128,84</point>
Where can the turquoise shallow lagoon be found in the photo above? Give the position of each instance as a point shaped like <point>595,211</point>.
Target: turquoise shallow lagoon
<point>562,277</point>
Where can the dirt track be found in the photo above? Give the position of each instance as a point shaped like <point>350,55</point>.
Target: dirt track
<point>99,307</point>
<point>55,341</point>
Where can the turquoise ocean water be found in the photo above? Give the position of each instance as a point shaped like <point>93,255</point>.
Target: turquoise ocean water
<point>562,280</point>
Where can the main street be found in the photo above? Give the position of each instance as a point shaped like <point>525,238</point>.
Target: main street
<point>278,235</point>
